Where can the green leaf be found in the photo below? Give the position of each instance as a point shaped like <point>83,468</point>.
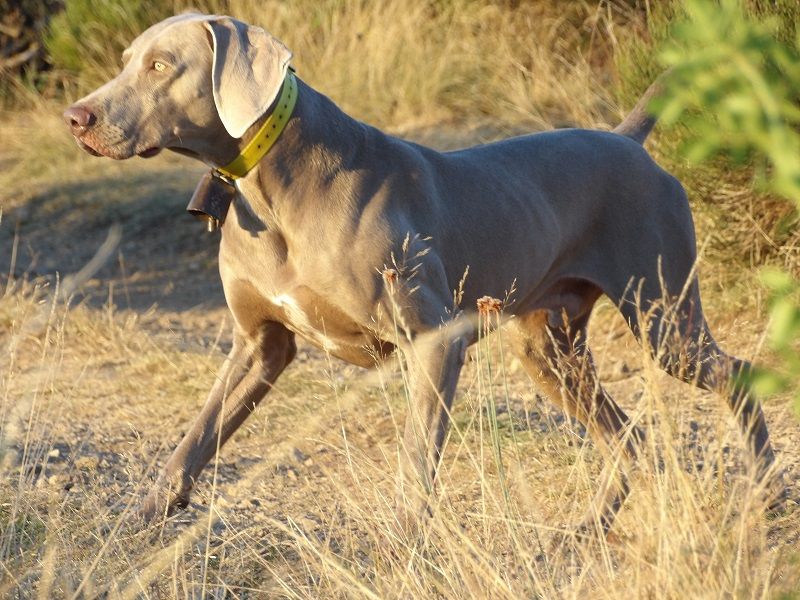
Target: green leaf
<point>777,280</point>
<point>768,383</point>
<point>784,322</point>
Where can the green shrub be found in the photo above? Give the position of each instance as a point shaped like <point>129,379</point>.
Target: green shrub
<point>734,84</point>
<point>747,80</point>
<point>88,36</point>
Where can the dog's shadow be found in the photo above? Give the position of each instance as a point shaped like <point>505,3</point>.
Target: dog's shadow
<point>165,256</point>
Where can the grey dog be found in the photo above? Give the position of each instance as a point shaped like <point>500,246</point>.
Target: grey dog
<point>359,242</point>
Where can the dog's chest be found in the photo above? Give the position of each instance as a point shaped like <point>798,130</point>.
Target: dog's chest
<point>262,284</point>
<point>310,315</point>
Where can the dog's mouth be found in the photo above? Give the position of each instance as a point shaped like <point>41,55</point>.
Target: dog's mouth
<point>87,148</point>
<point>150,152</point>
<point>184,151</point>
<point>98,149</point>
<point>110,153</point>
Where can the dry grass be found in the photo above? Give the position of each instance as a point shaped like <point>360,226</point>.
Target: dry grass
<point>391,62</point>
<point>424,63</point>
<point>93,399</point>
<point>299,505</point>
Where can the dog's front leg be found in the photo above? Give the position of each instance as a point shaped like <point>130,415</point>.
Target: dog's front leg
<point>252,366</point>
<point>435,360</point>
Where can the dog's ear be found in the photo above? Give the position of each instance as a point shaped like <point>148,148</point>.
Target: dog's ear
<point>247,71</point>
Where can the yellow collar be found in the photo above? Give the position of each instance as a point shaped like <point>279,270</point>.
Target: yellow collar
<point>269,133</point>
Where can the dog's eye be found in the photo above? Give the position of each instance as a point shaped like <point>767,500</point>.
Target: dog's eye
<point>159,66</point>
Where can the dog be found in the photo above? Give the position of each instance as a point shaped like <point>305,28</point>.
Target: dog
<point>337,232</point>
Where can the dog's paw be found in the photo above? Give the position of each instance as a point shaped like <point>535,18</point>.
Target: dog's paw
<point>156,507</point>
<point>777,501</point>
<point>567,548</point>
<point>407,524</point>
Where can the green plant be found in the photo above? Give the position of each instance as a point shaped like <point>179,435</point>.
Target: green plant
<point>89,36</point>
<point>735,68</point>
<point>784,333</point>
<point>734,85</point>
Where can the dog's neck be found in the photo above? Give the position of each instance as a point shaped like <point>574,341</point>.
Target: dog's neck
<point>317,143</point>
<point>222,149</point>
<point>265,133</point>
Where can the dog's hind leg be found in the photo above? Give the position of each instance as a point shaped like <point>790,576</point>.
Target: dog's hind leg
<point>677,335</point>
<point>554,353</point>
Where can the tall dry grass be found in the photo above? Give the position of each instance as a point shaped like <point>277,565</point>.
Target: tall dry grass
<point>90,388</point>
<point>392,62</point>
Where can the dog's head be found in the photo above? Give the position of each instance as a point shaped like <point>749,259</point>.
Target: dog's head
<point>192,83</point>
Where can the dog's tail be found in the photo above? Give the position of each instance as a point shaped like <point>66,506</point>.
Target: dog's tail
<point>640,121</point>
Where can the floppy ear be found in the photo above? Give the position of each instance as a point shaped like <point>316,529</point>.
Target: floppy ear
<point>248,68</point>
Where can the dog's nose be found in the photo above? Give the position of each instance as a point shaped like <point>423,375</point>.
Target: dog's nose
<point>79,118</point>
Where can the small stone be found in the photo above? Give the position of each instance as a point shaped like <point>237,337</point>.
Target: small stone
<point>86,462</point>
<point>308,523</point>
<point>219,527</point>
<point>299,456</point>
<point>54,453</point>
